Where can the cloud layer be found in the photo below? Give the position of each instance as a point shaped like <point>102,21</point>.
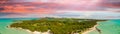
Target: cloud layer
<point>59,8</point>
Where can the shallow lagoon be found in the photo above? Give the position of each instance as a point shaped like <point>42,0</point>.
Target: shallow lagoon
<point>4,22</point>
<point>106,27</point>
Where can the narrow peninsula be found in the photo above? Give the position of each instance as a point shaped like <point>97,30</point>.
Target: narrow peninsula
<point>57,25</point>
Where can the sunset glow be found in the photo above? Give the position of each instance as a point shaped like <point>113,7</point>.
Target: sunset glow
<point>39,8</point>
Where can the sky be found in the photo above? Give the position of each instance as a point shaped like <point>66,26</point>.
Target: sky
<point>60,8</point>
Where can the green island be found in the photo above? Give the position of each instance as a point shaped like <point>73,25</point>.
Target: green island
<point>56,25</point>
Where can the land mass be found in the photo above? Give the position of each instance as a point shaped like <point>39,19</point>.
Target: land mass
<point>57,25</point>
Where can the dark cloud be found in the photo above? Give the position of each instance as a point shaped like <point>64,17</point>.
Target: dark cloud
<point>1,9</point>
<point>111,3</point>
<point>4,14</point>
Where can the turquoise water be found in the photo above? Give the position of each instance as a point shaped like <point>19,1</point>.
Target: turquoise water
<point>4,22</point>
<point>108,27</point>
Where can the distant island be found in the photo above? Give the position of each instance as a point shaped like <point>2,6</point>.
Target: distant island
<point>57,25</point>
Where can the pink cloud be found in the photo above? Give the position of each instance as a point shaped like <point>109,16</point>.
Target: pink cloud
<point>26,9</point>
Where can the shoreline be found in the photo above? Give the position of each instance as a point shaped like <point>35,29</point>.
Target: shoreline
<point>36,32</point>
<point>85,32</point>
<point>90,29</point>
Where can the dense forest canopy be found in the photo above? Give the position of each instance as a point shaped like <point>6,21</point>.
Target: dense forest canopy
<point>56,25</point>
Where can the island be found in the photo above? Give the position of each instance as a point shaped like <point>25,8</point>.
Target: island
<point>57,25</point>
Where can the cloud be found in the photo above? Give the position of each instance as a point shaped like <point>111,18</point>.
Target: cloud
<point>57,8</point>
<point>25,9</point>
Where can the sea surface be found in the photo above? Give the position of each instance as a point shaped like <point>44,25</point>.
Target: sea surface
<point>106,27</point>
<point>4,22</point>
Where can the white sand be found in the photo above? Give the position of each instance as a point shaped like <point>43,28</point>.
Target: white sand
<point>91,29</point>
<point>36,32</point>
<point>86,32</point>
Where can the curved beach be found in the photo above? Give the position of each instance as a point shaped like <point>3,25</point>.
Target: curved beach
<point>91,29</point>
<point>86,32</point>
<point>36,32</point>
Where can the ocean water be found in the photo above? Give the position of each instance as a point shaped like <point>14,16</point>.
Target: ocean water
<point>108,27</point>
<point>4,22</point>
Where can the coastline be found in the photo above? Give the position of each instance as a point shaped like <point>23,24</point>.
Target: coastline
<point>83,32</point>
<point>35,32</point>
<point>91,29</point>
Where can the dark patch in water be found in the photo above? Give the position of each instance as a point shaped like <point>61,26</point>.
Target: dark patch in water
<point>98,30</point>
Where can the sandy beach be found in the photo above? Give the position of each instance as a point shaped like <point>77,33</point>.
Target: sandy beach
<point>36,32</point>
<point>86,32</point>
<point>91,29</point>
